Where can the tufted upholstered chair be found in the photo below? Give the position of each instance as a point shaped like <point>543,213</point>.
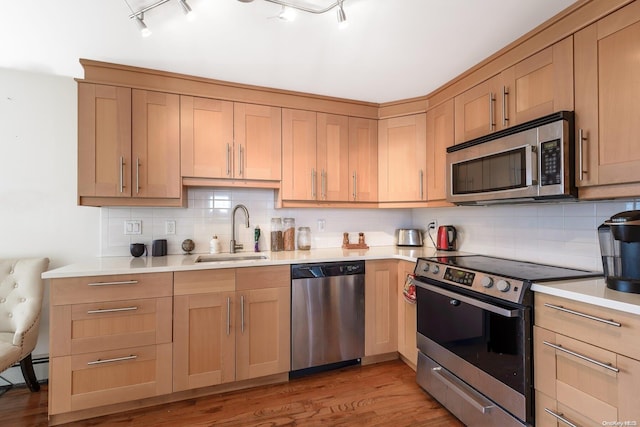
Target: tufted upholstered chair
<point>21,292</point>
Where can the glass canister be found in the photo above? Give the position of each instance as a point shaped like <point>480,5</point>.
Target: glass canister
<point>277,240</point>
<point>304,238</point>
<point>289,234</point>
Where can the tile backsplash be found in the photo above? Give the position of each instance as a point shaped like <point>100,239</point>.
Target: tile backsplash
<point>555,233</point>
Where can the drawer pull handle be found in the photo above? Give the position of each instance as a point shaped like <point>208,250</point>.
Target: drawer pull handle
<point>464,391</point>
<point>115,359</point>
<point>111,310</point>
<point>124,282</point>
<point>587,316</point>
<point>560,417</point>
<point>582,356</point>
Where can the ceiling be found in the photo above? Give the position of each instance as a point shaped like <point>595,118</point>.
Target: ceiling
<point>391,50</point>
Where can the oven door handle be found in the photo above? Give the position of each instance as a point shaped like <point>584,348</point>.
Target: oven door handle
<point>463,390</point>
<point>504,312</point>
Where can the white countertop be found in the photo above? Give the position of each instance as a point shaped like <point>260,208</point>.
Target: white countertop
<point>591,291</point>
<point>169,263</point>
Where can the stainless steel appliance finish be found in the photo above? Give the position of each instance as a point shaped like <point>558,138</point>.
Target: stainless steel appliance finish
<point>327,313</point>
<point>533,161</point>
<point>409,237</point>
<point>474,324</point>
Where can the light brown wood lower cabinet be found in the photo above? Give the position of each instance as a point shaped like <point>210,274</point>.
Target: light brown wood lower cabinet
<point>407,320</point>
<point>230,325</point>
<point>581,380</point>
<point>381,307</point>
<point>110,340</point>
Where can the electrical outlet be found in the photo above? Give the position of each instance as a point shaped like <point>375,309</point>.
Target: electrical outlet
<point>132,226</point>
<point>170,226</point>
<point>432,225</point>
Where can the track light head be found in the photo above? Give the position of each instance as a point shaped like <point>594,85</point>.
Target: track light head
<point>342,17</point>
<point>144,30</point>
<point>187,10</point>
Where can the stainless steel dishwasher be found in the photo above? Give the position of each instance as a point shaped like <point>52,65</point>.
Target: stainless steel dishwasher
<point>327,315</point>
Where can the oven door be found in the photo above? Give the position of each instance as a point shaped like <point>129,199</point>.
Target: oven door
<point>485,344</point>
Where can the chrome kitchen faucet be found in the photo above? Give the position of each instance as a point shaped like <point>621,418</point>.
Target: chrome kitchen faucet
<point>233,246</point>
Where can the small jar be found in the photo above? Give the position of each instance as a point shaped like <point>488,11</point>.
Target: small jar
<point>304,238</point>
<point>289,234</point>
<point>277,240</point>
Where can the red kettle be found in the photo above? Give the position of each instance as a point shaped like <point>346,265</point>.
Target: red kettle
<point>447,235</point>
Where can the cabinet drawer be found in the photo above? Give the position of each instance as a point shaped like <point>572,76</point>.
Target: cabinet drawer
<point>77,290</point>
<point>103,378</point>
<point>91,327</point>
<point>204,281</point>
<point>551,313</point>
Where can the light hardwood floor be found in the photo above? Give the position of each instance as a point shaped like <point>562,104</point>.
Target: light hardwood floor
<point>384,394</point>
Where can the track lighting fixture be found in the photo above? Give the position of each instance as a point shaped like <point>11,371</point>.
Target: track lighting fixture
<point>144,30</point>
<point>342,17</point>
<point>187,10</point>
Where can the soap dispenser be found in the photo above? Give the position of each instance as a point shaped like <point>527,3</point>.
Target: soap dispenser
<point>214,245</point>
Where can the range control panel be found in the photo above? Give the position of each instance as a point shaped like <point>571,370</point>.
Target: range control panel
<point>496,286</point>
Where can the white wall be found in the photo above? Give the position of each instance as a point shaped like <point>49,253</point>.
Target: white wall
<point>38,211</point>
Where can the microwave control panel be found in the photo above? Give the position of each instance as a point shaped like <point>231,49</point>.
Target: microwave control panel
<point>551,162</point>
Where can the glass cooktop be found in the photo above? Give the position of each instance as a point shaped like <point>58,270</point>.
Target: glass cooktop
<point>521,270</point>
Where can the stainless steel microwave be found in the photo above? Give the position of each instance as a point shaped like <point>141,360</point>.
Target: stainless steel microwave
<point>533,161</point>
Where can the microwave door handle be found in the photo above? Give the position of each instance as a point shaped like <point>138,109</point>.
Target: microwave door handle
<point>504,312</point>
<point>533,166</point>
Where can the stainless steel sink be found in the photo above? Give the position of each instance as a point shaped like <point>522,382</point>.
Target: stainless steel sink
<point>229,257</point>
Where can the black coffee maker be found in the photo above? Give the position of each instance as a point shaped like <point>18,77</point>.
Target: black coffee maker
<point>620,249</point>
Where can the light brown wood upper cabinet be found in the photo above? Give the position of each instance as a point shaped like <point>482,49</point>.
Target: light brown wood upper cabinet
<point>402,159</point>
<point>128,146</point>
<point>328,157</point>
<point>222,139</point>
<point>440,135</point>
<point>537,86</point>
<point>607,73</point>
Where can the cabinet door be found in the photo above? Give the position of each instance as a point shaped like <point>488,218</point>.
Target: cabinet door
<point>299,174</point>
<point>381,307</point>
<point>363,160</point>
<point>203,340</point>
<point>155,150</point>
<point>90,380</point>
<point>407,317</point>
<point>476,109</point>
<point>258,142</point>
<point>402,158</point>
<point>539,85</point>
<point>332,157</point>
<point>440,135</point>
<point>206,137</point>
<point>263,342</point>
<point>607,78</point>
<point>104,140</point>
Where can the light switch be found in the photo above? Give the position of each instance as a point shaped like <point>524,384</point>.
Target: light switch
<point>132,226</point>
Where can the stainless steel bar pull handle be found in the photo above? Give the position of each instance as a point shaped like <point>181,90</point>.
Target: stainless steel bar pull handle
<point>581,139</point>
<point>421,184</point>
<point>242,313</point>
<point>115,359</point>
<point>610,322</point>
<point>323,185</point>
<point>241,153</point>
<point>560,417</point>
<point>228,159</point>
<point>122,282</point>
<point>505,95</point>
<point>313,184</point>
<point>355,186</point>
<point>463,390</point>
<point>492,121</point>
<point>582,356</point>
<point>121,174</point>
<point>111,310</point>
<point>228,315</point>
<point>137,175</point>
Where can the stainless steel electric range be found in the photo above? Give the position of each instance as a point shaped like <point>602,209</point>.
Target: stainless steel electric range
<point>475,326</point>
